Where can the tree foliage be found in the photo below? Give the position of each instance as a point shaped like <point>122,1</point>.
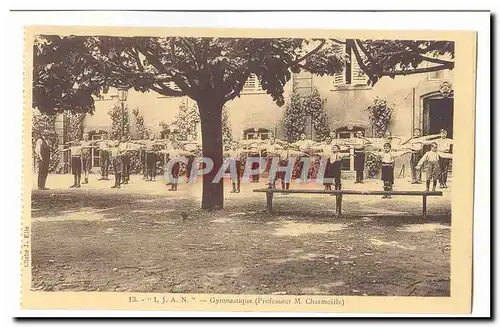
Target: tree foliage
<point>313,105</point>
<point>75,129</point>
<point>297,109</point>
<point>65,74</point>
<point>185,124</point>
<point>294,119</point>
<point>380,114</point>
<point>45,125</point>
<point>71,71</point>
<point>227,131</point>
<point>139,123</point>
<point>379,58</point>
<point>120,122</point>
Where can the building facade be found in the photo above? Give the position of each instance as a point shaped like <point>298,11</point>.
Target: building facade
<point>422,101</point>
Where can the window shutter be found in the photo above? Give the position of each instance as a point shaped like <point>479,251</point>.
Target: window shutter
<point>173,86</point>
<point>339,78</point>
<point>252,83</point>
<point>358,76</point>
<point>303,83</point>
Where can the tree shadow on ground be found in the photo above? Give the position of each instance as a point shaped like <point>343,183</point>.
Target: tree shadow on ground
<point>142,243</point>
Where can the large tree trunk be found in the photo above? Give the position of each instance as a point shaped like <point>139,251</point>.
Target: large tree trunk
<point>211,131</point>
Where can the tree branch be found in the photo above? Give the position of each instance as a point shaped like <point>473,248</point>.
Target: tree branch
<point>137,59</point>
<point>360,61</point>
<point>176,78</point>
<point>392,73</point>
<point>366,53</point>
<point>307,55</point>
<point>437,61</point>
<point>191,51</point>
<point>238,88</point>
<point>153,60</point>
<point>338,41</point>
<point>165,90</point>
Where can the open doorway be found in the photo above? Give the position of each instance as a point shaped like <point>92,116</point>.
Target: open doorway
<point>438,114</point>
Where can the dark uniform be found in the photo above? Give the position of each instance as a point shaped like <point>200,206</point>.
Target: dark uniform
<point>116,160</point>
<point>235,157</point>
<point>359,158</point>
<point>104,160</point>
<point>334,171</point>
<point>123,147</point>
<point>43,162</point>
<point>76,164</point>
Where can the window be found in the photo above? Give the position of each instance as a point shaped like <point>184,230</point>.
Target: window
<point>164,134</point>
<point>339,78</point>
<point>264,133</point>
<point>252,84</point>
<point>352,74</point>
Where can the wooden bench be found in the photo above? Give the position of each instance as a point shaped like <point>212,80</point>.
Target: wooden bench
<point>338,196</point>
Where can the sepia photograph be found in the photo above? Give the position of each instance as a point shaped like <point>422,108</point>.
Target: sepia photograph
<point>217,168</point>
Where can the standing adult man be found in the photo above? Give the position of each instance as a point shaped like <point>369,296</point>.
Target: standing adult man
<point>42,152</point>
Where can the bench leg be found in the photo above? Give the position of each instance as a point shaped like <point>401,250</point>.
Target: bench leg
<point>338,204</point>
<point>269,198</point>
<point>424,206</point>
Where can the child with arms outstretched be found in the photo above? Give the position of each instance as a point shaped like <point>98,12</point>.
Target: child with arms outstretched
<point>388,157</point>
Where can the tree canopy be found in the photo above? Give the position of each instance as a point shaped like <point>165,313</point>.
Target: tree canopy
<point>70,71</point>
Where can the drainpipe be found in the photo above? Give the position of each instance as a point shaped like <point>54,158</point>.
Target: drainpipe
<point>413,111</point>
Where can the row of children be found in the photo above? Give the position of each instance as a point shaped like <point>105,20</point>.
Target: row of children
<point>336,150</point>
<point>118,153</point>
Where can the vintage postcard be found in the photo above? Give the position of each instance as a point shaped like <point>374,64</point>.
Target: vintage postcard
<point>248,170</point>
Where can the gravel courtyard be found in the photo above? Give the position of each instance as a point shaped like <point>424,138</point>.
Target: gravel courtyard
<point>142,238</point>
